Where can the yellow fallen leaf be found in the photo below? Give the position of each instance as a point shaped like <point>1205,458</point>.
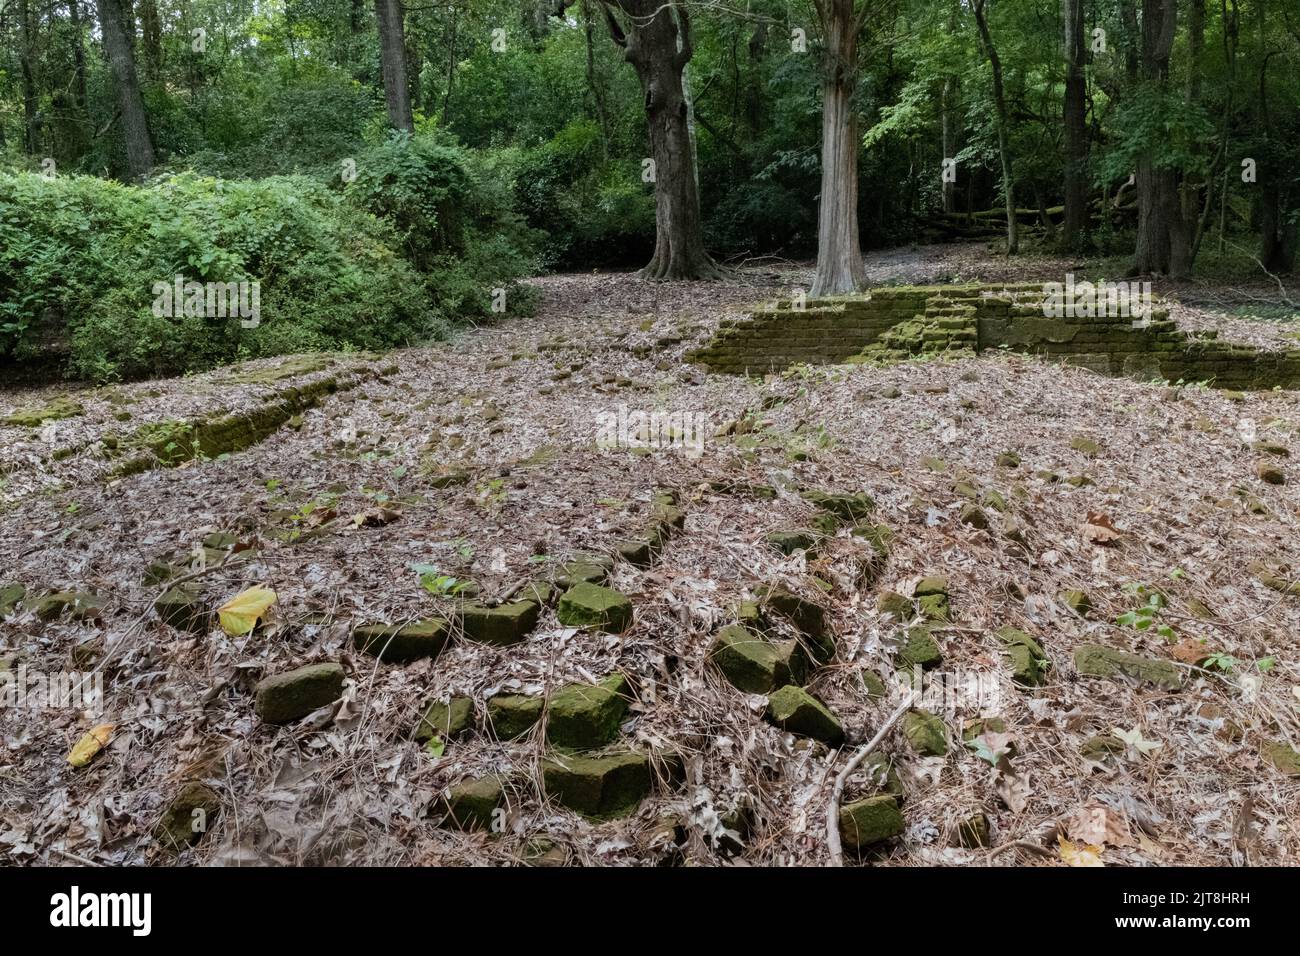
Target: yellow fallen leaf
<point>241,613</point>
<point>94,740</point>
<point>1082,855</point>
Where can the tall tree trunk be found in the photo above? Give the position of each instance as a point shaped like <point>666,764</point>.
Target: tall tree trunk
<point>135,125</point>
<point>1230,20</point>
<point>151,32</point>
<point>1076,130</point>
<point>839,250</point>
<point>949,128</point>
<point>1163,242</point>
<point>950,124</point>
<point>1189,193</point>
<point>594,86</point>
<point>451,68</point>
<point>657,42</point>
<point>78,53</point>
<point>1278,236</point>
<point>27,66</point>
<point>1000,105</point>
<point>392,54</point>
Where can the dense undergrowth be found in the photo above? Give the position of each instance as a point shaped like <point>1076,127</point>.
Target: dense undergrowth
<point>422,237</point>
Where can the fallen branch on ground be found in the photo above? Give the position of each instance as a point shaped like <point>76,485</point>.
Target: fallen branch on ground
<point>833,813</point>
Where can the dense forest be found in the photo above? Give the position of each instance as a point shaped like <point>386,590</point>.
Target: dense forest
<point>456,147</point>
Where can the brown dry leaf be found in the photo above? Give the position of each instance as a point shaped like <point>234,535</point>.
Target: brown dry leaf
<point>1081,855</point>
<point>91,743</point>
<point>375,518</point>
<point>1099,529</point>
<point>1190,651</point>
<point>320,517</point>
<point>1149,846</point>
<point>1014,791</point>
<point>1095,823</point>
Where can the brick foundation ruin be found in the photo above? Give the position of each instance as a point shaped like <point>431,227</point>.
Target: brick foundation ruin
<point>898,323</point>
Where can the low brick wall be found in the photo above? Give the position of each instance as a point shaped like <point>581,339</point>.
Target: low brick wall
<point>921,321</point>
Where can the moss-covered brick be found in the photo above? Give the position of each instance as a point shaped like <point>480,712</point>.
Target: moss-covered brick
<point>182,607</point>
<point>1077,601</point>
<point>1271,448</point>
<point>11,595</point>
<point>188,816</point>
<point>513,715</point>
<point>590,605</point>
<point>935,584</point>
<point>882,775</point>
<point>220,540</point>
<point>665,522</point>
<point>847,508</point>
<point>754,664</point>
<point>638,552</point>
<point>501,626</point>
<point>973,832</point>
<point>1270,473</point>
<point>289,696</point>
<point>667,517</point>
<point>808,617</point>
<point>974,516</point>
<point>1282,756</point>
<point>926,733</point>
<point>1024,654</point>
<point>586,716</point>
<point>869,821</point>
<point>598,787</point>
<point>540,593</point>
<point>788,542</point>
<point>874,685</point>
<point>823,522</point>
<point>919,649</point>
<point>471,804</point>
<point>449,479</point>
<point>1085,445</point>
<point>445,720</point>
<point>78,605</point>
<point>896,605</point>
<point>1093,660</point>
<point>750,615</point>
<point>587,570</point>
<point>878,536</point>
<point>401,644</point>
<point>795,710</point>
<point>964,488</point>
<point>931,595</point>
<point>56,409</point>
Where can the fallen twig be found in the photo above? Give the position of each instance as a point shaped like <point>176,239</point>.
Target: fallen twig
<point>833,812</point>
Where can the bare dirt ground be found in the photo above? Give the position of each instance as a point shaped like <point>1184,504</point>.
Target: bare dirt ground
<point>518,406</point>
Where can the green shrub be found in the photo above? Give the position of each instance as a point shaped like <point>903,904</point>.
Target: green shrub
<point>80,257</point>
<point>452,210</point>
